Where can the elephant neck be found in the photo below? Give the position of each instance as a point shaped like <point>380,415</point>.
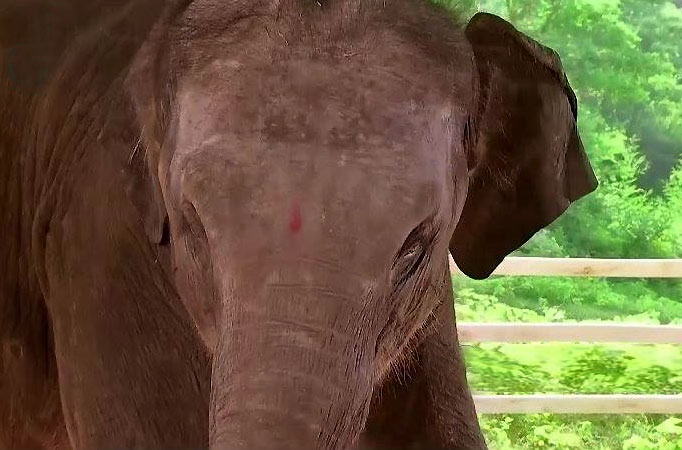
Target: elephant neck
<point>19,290</point>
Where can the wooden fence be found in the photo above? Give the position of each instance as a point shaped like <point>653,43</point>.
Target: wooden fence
<point>578,332</point>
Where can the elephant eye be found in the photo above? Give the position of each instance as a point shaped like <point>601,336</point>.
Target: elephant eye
<point>165,232</point>
<point>407,264</point>
<point>412,254</point>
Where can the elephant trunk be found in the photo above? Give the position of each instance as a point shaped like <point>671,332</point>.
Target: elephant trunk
<point>293,368</point>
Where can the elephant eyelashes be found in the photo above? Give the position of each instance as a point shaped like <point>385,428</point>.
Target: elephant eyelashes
<point>469,139</point>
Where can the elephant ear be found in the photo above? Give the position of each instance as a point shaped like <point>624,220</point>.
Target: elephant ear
<point>146,82</point>
<point>527,162</point>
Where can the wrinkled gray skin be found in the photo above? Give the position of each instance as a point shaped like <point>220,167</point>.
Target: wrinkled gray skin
<point>227,222</point>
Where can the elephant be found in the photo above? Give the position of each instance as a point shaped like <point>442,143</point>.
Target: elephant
<point>226,223</point>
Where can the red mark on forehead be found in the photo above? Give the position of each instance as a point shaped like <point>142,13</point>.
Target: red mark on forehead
<point>295,220</point>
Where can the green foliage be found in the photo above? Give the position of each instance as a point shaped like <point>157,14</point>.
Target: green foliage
<point>563,367</point>
<point>569,368</point>
<point>549,431</point>
<point>672,235</point>
<point>571,298</point>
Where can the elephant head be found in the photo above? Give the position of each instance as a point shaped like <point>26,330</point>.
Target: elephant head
<point>311,164</point>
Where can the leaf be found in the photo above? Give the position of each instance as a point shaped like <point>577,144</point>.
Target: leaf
<point>670,426</point>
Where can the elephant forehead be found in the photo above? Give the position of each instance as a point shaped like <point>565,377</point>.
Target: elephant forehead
<point>301,128</point>
<point>375,115</point>
<point>375,100</point>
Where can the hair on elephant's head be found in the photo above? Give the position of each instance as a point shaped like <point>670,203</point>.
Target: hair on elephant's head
<point>315,162</point>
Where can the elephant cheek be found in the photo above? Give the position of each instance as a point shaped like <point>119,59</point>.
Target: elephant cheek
<point>195,284</point>
<point>197,296</point>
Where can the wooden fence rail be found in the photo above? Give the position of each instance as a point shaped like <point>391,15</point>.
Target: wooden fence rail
<point>578,332</point>
<point>578,404</point>
<point>587,267</point>
<point>569,332</point>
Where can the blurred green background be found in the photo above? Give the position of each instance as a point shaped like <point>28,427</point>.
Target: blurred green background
<point>624,60</point>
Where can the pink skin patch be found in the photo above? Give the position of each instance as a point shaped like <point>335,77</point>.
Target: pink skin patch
<point>295,221</point>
